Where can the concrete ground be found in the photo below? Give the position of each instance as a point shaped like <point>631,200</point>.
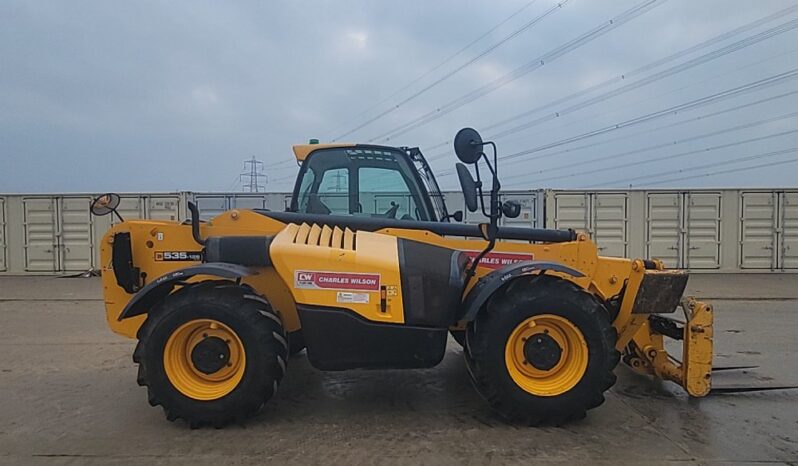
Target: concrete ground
<point>68,395</point>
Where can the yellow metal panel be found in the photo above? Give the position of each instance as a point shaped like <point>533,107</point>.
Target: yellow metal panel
<point>149,237</point>
<point>299,265</point>
<point>349,239</point>
<point>326,234</point>
<point>302,234</point>
<point>337,238</point>
<point>313,236</point>
<point>301,151</point>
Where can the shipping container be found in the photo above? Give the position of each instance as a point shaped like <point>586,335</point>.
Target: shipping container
<point>769,230</point>
<point>704,230</point>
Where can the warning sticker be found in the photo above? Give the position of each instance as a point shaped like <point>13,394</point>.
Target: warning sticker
<point>350,297</point>
<point>497,260</point>
<point>337,280</point>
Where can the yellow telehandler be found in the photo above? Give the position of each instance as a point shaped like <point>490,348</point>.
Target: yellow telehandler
<point>368,269</point>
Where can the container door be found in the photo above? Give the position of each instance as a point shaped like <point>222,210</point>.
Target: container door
<point>2,235</point>
<point>789,230</point>
<point>663,228</point>
<point>610,219</point>
<point>758,219</point>
<point>572,211</point>
<point>163,208</point>
<point>703,230</point>
<point>130,208</point>
<point>75,232</point>
<point>40,229</point>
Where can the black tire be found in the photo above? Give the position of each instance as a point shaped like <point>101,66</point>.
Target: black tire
<point>296,342</point>
<point>256,325</point>
<point>523,299</point>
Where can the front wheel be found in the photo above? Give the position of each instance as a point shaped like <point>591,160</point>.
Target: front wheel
<point>543,353</point>
<point>211,354</point>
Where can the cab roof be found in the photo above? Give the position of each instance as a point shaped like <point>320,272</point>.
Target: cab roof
<point>301,151</point>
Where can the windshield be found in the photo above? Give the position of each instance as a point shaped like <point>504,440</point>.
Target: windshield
<point>428,178</point>
<point>363,181</point>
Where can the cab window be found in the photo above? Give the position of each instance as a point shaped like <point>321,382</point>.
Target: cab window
<point>361,181</point>
<point>383,189</point>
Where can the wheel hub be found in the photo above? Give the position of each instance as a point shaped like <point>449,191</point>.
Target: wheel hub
<point>210,355</point>
<point>546,355</point>
<point>542,351</point>
<point>204,359</point>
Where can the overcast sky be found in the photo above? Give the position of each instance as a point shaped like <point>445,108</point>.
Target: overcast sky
<point>164,96</point>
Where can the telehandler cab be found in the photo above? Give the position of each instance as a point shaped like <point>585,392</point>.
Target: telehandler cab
<point>365,270</point>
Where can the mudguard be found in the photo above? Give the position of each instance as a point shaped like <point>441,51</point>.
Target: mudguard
<point>163,285</point>
<point>488,284</point>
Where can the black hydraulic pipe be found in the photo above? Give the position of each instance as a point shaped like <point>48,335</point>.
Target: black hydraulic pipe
<point>195,221</point>
<point>441,228</point>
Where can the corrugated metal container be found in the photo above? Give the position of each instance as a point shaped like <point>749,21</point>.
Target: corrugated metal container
<point>57,233</point>
<point>54,233</point>
<point>769,230</point>
<point>531,208</point>
<point>602,215</point>
<point>726,230</point>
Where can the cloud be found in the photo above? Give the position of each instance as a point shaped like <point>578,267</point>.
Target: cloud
<point>157,87</point>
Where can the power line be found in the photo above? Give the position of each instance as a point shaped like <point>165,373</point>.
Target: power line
<point>593,145</point>
<point>626,75</point>
<point>523,70</point>
<point>762,83</point>
<point>723,172</point>
<point>742,44</point>
<point>717,97</point>
<point>445,61</point>
<point>701,167</point>
<point>658,146</point>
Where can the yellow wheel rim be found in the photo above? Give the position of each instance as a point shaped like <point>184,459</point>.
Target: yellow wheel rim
<point>549,373</point>
<point>204,359</point>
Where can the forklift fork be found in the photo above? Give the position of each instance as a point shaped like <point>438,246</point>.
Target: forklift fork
<point>646,353</point>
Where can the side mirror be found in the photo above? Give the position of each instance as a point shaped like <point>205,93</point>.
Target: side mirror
<point>456,216</point>
<point>511,209</point>
<point>469,187</point>
<point>105,204</point>
<point>468,145</point>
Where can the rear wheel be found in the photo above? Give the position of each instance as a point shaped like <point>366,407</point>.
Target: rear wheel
<point>543,352</point>
<point>211,354</point>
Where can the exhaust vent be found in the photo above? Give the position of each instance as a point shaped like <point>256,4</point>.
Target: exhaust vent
<point>316,235</point>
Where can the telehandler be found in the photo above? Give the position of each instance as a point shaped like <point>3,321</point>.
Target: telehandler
<point>366,269</point>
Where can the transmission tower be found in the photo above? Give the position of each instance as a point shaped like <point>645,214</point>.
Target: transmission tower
<point>253,172</point>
